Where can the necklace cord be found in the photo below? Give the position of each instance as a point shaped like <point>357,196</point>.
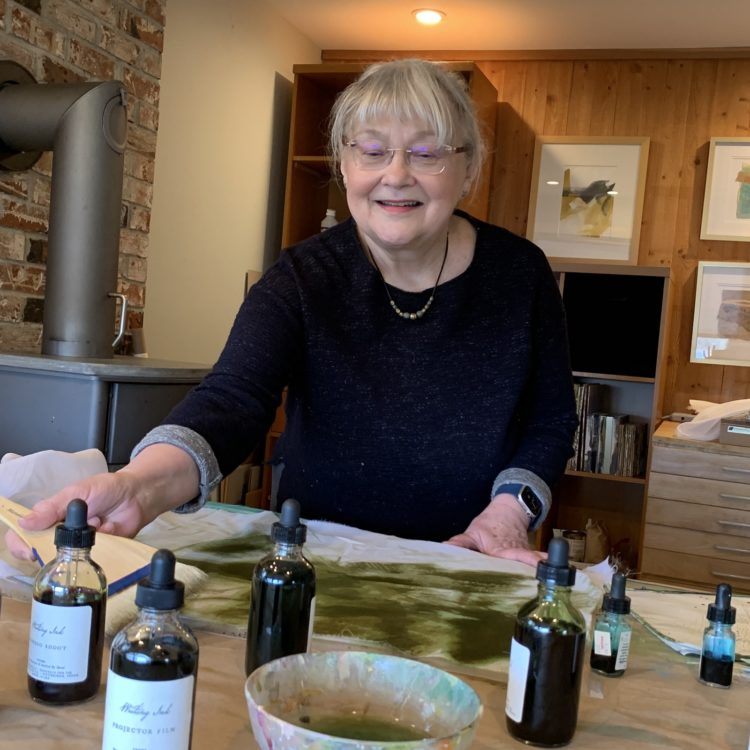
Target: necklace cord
<point>419,313</point>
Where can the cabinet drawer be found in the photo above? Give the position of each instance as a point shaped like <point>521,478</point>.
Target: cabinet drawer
<point>717,546</point>
<point>692,568</point>
<point>724,466</point>
<point>699,490</point>
<point>698,517</point>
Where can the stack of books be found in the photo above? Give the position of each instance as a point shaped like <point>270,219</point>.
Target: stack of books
<point>614,445</point>
<point>606,443</point>
<point>589,397</point>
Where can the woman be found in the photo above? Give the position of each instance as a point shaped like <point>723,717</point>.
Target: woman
<point>424,352</point>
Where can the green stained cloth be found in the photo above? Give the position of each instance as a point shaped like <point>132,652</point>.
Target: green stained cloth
<point>420,599</point>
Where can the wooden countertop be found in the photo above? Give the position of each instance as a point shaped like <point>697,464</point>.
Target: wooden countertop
<point>657,704</point>
<point>666,436</point>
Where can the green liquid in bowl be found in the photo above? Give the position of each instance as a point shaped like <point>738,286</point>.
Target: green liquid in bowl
<point>358,727</point>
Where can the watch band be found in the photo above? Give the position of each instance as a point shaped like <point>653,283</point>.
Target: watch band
<point>519,490</point>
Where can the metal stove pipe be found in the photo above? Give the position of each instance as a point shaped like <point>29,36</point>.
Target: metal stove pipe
<point>85,125</point>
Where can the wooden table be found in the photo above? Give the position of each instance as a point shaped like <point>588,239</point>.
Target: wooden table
<point>657,704</point>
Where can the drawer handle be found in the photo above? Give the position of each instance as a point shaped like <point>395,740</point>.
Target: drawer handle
<point>729,575</point>
<point>727,496</point>
<point>732,549</point>
<point>739,471</point>
<point>734,523</point>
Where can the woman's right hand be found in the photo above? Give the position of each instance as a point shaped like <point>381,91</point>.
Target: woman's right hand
<point>158,479</point>
<point>113,507</point>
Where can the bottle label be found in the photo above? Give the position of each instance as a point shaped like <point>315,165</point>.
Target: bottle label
<point>623,650</point>
<point>59,639</point>
<point>602,643</point>
<point>147,715</point>
<point>310,625</point>
<point>518,672</point>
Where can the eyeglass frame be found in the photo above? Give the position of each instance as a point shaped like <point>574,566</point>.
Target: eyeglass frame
<point>407,154</point>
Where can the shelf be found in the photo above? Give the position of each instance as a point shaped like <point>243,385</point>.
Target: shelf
<point>605,477</point>
<point>611,376</point>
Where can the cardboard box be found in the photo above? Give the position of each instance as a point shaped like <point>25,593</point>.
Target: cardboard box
<point>735,430</point>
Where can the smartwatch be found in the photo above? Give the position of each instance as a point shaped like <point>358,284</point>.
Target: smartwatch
<point>526,498</point>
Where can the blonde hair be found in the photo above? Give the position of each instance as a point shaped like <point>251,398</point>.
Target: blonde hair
<point>404,90</point>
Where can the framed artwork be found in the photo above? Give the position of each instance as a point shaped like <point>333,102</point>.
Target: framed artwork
<point>587,197</point>
<point>726,204</point>
<point>721,318</point>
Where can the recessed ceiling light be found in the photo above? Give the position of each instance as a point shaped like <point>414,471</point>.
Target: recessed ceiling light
<point>428,16</point>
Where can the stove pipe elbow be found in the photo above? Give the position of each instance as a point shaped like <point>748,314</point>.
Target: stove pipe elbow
<point>85,125</point>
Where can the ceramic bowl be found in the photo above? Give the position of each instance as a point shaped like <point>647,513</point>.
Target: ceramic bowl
<point>353,700</point>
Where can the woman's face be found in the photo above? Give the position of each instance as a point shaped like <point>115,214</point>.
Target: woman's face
<point>396,207</point>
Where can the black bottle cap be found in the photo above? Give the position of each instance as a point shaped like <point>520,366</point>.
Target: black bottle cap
<point>160,590</point>
<point>616,601</point>
<point>555,568</point>
<point>288,529</point>
<point>722,610</point>
<point>74,531</point>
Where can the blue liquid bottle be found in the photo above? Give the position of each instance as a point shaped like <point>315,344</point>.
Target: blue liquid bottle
<point>717,657</point>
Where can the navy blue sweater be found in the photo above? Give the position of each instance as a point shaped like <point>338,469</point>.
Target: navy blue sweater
<point>393,425</point>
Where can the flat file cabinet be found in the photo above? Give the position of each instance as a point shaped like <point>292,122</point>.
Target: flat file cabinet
<point>697,521</point>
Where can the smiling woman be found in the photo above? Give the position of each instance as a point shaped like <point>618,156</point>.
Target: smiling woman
<point>423,351</point>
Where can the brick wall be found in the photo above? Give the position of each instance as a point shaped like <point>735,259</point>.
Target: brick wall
<point>70,41</point>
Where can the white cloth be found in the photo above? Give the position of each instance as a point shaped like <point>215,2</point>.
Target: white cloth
<point>706,425</point>
<point>28,479</point>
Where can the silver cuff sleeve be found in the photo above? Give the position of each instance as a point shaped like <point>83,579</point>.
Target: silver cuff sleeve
<point>197,447</point>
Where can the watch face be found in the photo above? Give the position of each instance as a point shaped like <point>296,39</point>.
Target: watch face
<point>533,503</point>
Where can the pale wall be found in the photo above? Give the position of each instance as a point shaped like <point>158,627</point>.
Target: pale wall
<point>214,152</point>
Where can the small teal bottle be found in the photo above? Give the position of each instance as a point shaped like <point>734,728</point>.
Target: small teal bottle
<point>612,631</point>
<point>717,656</point>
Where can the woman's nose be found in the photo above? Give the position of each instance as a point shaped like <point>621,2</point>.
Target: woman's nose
<point>398,171</point>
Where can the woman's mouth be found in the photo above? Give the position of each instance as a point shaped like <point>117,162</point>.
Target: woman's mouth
<point>399,204</point>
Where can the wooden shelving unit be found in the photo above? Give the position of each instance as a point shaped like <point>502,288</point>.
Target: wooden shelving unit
<point>617,327</point>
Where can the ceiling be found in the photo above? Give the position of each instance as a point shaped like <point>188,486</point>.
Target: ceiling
<point>521,24</point>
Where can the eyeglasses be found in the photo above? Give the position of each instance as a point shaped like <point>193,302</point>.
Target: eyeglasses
<point>421,158</point>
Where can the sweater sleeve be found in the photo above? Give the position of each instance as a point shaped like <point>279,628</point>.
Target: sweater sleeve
<point>235,404</point>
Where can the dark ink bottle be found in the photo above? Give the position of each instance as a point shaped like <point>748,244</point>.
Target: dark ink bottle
<point>66,634</point>
<point>153,668</point>
<point>546,657</point>
<point>612,631</point>
<point>282,596</point>
<point>717,656</point>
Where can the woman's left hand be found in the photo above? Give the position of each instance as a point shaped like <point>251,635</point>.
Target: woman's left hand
<point>500,530</point>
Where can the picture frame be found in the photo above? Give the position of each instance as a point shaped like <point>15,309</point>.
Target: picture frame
<point>726,202</point>
<point>587,197</point>
<point>721,316</point>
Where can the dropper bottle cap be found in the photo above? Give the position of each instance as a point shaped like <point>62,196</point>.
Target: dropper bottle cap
<point>722,610</point>
<point>555,568</point>
<point>616,601</point>
<point>288,529</point>
<point>160,589</point>
<point>75,531</point>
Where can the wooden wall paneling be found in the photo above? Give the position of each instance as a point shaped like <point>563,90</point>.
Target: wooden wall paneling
<point>667,132</point>
<point>629,100</point>
<point>683,378</point>
<point>534,107</point>
<point>579,108</point>
<point>604,98</point>
<point>559,81</point>
<point>514,153</point>
<point>591,109</point>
